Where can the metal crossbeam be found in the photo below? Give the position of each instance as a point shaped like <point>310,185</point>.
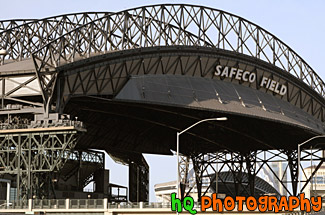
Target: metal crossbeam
<point>107,77</point>
<point>67,38</point>
<point>32,157</point>
<point>21,38</point>
<point>12,23</point>
<point>242,170</point>
<point>170,25</point>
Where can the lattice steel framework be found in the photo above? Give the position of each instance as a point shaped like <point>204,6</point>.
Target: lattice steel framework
<point>21,39</point>
<point>170,25</point>
<point>12,23</point>
<point>109,75</point>
<point>33,157</point>
<point>244,168</point>
<point>14,84</point>
<point>85,157</point>
<point>60,40</point>
<point>68,37</point>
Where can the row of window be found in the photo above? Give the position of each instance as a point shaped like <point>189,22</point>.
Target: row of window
<point>318,180</point>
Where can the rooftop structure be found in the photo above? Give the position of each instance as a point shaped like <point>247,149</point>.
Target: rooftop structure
<point>136,77</point>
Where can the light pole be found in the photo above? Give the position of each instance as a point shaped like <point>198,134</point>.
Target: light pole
<point>177,142</point>
<point>299,145</point>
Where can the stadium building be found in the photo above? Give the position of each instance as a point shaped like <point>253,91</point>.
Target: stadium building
<point>126,82</point>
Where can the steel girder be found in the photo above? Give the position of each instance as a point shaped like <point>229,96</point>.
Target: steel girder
<point>22,38</point>
<point>251,167</point>
<point>244,169</point>
<point>11,88</point>
<point>84,157</point>
<point>292,156</point>
<point>206,169</point>
<point>33,157</point>
<point>151,26</point>
<point>12,23</point>
<point>160,25</point>
<point>196,174</point>
<point>139,180</point>
<point>107,74</point>
<point>184,165</point>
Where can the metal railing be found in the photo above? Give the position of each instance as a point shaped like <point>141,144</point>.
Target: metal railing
<point>87,203</point>
<point>77,204</point>
<point>95,204</point>
<point>49,203</point>
<point>17,204</point>
<point>59,123</point>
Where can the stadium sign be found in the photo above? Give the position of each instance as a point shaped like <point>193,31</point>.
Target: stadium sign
<point>246,76</point>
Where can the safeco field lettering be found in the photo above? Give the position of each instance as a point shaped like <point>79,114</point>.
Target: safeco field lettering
<point>241,75</point>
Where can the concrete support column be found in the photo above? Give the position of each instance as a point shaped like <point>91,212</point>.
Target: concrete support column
<point>8,192</point>
<point>105,203</point>
<point>67,203</point>
<point>30,204</point>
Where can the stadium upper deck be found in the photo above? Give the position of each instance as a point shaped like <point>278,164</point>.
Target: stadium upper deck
<point>137,76</point>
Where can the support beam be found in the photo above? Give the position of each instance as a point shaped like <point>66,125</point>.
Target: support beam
<point>250,159</point>
<point>292,156</point>
<point>33,157</point>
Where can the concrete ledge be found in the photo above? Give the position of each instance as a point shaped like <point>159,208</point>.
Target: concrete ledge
<point>27,130</point>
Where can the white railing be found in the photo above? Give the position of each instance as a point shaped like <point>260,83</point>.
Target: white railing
<point>90,205</point>
<point>77,204</point>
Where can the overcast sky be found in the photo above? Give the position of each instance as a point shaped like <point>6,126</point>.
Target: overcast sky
<point>300,24</point>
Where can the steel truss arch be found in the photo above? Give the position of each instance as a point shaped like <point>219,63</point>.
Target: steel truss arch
<point>25,37</point>
<point>146,27</point>
<point>12,23</point>
<point>22,40</point>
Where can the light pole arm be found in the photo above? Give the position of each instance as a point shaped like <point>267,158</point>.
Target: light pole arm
<point>204,120</point>
<point>307,141</point>
<point>299,151</point>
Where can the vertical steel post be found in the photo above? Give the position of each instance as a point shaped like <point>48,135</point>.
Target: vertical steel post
<point>178,172</point>
<point>217,172</point>
<point>29,184</point>
<point>18,169</point>
<point>298,175</point>
<point>3,93</point>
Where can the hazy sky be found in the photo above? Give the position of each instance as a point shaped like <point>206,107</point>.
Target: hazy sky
<point>300,24</point>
